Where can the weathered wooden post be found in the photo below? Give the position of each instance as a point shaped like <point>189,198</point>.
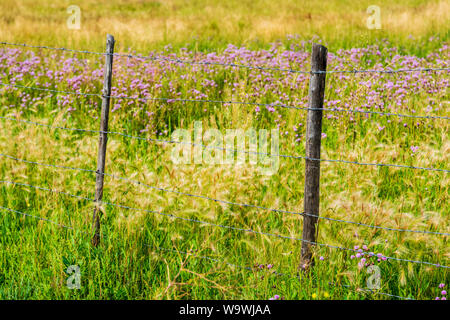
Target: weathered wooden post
<point>313,139</point>
<point>103,137</point>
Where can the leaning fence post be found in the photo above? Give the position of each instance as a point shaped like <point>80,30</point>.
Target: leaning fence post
<point>103,137</point>
<point>313,138</point>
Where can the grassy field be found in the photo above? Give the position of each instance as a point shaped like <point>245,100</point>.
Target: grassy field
<point>145,255</point>
<point>211,24</point>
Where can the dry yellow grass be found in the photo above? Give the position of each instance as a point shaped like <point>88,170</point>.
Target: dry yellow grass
<point>143,25</point>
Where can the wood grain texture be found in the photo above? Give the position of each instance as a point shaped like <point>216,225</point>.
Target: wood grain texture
<point>313,140</point>
<point>103,137</point>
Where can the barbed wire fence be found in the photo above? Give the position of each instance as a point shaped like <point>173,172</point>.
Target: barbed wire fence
<point>312,157</point>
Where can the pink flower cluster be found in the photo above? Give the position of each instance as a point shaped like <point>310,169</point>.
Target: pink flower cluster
<point>366,258</point>
<point>167,79</point>
<point>443,293</point>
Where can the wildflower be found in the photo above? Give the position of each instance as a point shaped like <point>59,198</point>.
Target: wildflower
<point>324,135</point>
<point>352,257</point>
<point>269,266</point>
<point>414,149</point>
<point>326,295</point>
<point>441,285</point>
<point>364,247</point>
<point>314,295</point>
<point>322,258</point>
<point>443,292</point>
<point>443,298</point>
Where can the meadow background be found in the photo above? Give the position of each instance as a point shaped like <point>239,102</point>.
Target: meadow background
<point>35,254</point>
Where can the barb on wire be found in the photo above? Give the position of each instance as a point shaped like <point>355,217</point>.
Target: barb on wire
<point>234,203</point>
<point>252,231</point>
<point>170,100</point>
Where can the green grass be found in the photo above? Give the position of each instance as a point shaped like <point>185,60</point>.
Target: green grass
<point>127,264</point>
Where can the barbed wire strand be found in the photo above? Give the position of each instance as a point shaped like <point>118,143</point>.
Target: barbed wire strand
<point>234,65</point>
<point>263,233</point>
<point>230,202</point>
<point>170,100</point>
<point>232,150</point>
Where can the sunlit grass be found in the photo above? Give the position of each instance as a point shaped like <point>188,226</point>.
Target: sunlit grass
<point>202,25</point>
<point>125,267</point>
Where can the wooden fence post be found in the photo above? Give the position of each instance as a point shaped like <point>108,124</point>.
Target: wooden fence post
<point>313,139</point>
<point>103,138</point>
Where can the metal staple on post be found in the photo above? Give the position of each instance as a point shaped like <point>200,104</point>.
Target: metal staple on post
<point>103,138</point>
<point>313,139</point>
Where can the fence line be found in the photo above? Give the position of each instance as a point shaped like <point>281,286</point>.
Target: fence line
<point>192,62</point>
<point>227,149</point>
<point>170,100</point>
<point>100,174</point>
<point>245,230</point>
<point>229,202</point>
